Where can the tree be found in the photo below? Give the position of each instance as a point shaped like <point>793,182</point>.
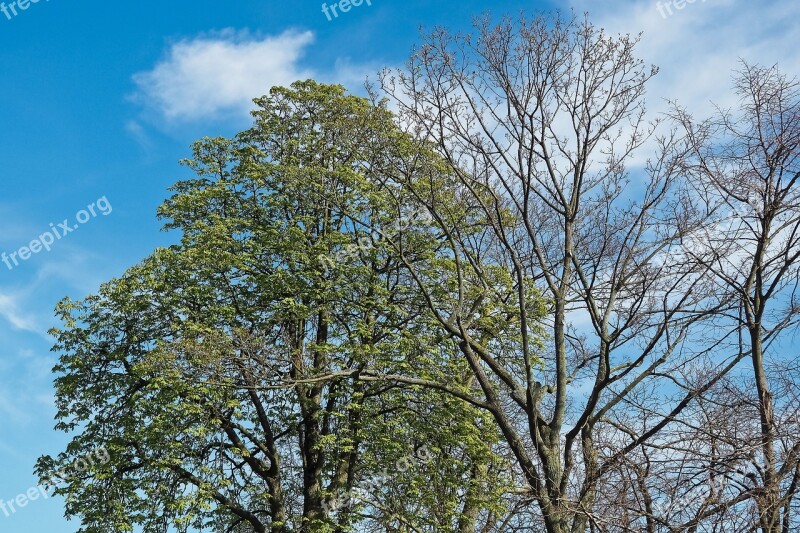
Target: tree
<point>241,379</point>
<point>746,166</point>
<point>540,121</point>
<point>488,312</point>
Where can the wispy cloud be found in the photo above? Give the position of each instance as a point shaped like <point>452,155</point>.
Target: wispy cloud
<point>9,309</point>
<point>699,46</point>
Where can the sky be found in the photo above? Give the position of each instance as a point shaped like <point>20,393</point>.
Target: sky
<point>100,100</point>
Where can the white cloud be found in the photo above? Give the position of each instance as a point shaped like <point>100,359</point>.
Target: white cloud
<point>351,74</point>
<point>139,134</point>
<point>9,309</point>
<point>699,46</point>
<point>220,74</point>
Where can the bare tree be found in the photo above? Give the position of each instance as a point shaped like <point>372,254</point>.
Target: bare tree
<point>540,121</point>
<point>746,167</point>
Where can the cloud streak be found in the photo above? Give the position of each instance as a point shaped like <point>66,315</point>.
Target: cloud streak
<point>9,310</point>
<point>699,47</point>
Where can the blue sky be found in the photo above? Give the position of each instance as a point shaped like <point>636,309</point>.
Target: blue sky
<point>101,100</point>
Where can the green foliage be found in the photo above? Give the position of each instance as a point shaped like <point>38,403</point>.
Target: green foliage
<point>223,374</point>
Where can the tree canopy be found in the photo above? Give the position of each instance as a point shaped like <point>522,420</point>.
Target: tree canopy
<point>480,312</point>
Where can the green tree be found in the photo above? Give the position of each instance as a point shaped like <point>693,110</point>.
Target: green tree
<point>278,356</point>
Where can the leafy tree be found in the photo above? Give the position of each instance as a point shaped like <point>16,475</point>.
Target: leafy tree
<point>256,375</point>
